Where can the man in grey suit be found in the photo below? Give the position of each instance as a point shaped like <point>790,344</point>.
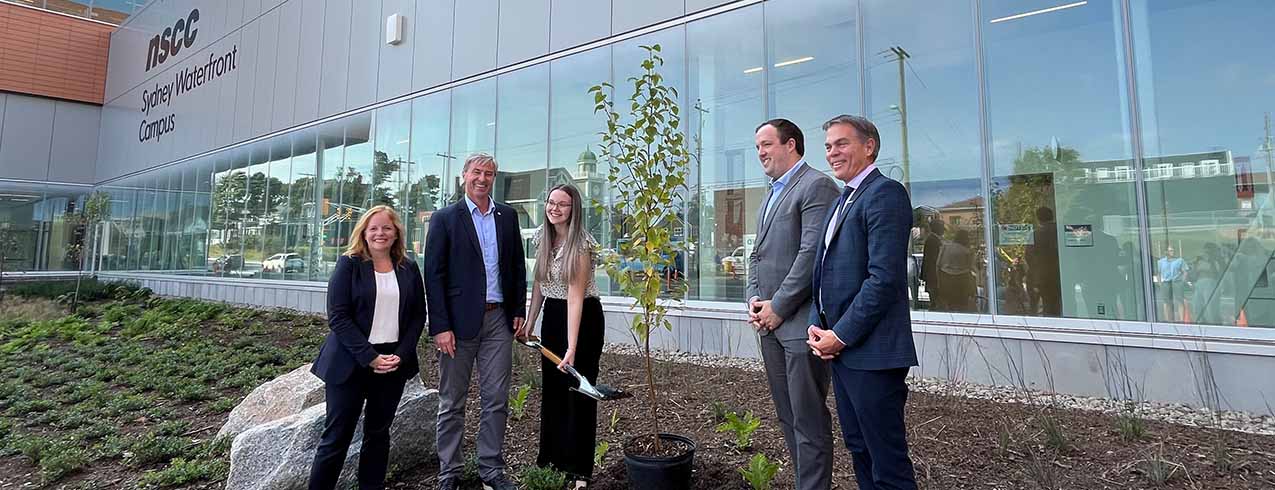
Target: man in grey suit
<point>779,297</point>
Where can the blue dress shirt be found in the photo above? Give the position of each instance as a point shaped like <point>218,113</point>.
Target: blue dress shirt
<point>485,226</point>
<point>777,187</point>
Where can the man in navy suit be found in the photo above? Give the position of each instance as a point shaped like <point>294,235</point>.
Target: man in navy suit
<point>861,322</point>
<point>476,287</point>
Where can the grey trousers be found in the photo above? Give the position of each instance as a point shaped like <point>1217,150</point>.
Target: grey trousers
<point>493,349</point>
<point>799,384</point>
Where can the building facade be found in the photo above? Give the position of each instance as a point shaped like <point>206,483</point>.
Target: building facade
<point>1104,164</point>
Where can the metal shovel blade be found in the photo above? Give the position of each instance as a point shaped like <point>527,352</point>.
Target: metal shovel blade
<point>599,392</point>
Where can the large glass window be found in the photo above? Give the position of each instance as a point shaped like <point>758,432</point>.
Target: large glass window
<point>473,119</point>
<point>346,162</point>
<point>300,248</point>
<point>922,87</point>
<point>573,135</point>
<point>522,130</point>
<point>1066,228</point>
<point>628,57</point>
<point>1208,154</point>
<point>726,93</point>
<point>812,67</point>
<point>433,179</point>
<point>21,225</point>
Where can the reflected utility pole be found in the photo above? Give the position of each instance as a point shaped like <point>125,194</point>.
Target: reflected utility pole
<point>1269,149</point>
<point>901,56</point>
<point>447,172</point>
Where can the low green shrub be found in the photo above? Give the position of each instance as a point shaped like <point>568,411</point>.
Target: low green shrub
<point>538,478</point>
<point>181,471</point>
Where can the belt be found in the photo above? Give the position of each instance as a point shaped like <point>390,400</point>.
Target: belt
<point>491,306</point>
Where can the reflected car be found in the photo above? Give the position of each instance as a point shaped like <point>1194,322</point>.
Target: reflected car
<point>736,263</point>
<point>284,262</point>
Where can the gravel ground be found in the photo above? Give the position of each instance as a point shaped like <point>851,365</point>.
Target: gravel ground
<point>1174,413</point>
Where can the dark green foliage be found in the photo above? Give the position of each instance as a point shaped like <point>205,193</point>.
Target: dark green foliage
<point>118,382</point>
<point>538,478</point>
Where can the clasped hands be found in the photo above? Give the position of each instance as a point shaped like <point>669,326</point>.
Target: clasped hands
<point>384,363</point>
<point>823,343</point>
<point>761,316</point>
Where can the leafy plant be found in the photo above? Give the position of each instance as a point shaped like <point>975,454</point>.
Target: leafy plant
<point>648,175</point>
<point>759,472</point>
<point>743,428</point>
<point>518,402</point>
<point>600,452</point>
<point>538,478</point>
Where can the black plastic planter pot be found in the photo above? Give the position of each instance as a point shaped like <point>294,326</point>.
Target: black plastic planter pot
<point>661,473</point>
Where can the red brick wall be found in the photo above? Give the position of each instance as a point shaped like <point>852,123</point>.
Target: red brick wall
<point>43,53</point>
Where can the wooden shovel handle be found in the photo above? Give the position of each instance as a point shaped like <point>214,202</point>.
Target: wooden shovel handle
<point>552,357</point>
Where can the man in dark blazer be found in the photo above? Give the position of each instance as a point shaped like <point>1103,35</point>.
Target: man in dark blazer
<point>789,227</point>
<point>476,285</point>
<point>861,322</point>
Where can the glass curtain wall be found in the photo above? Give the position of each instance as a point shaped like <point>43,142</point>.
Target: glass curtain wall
<point>1037,189</point>
<point>1063,195</point>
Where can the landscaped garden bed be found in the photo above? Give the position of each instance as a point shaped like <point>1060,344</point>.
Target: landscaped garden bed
<point>130,392</point>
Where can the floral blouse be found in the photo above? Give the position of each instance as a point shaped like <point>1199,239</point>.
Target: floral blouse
<point>556,285</point>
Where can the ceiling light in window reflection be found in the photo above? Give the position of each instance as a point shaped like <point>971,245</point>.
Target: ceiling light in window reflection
<point>490,124</point>
<point>753,70</point>
<point>793,62</point>
<point>1038,12</point>
<point>402,142</point>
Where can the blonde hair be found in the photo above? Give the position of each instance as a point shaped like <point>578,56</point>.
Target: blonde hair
<point>358,244</point>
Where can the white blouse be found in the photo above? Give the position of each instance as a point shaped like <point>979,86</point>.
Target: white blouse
<point>556,286</point>
<point>385,317</point>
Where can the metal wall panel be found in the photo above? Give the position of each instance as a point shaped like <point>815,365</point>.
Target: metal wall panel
<point>575,22</point>
<point>628,15</point>
<point>524,30</point>
<point>74,154</point>
<point>27,137</point>
<point>267,67</point>
<point>336,56</point>
<point>394,76</point>
<point>309,62</point>
<point>285,82</point>
<point>250,35</point>
<point>432,56</point>
<point>366,29</point>
<point>475,45</point>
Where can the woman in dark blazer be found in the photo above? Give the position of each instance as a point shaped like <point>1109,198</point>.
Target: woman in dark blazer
<point>376,312</point>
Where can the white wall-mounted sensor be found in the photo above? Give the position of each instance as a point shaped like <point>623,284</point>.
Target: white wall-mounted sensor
<point>394,29</point>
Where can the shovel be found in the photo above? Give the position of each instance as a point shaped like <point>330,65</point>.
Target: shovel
<point>599,392</point>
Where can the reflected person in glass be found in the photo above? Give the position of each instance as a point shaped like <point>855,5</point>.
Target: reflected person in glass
<point>1171,276</point>
<point>376,310</point>
<point>564,289</point>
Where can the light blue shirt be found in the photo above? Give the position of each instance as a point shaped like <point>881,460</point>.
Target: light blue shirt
<point>777,186</point>
<point>1172,269</point>
<point>485,226</point>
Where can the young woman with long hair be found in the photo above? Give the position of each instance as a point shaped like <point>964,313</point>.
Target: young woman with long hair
<point>573,325</point>
<point>376,313</point>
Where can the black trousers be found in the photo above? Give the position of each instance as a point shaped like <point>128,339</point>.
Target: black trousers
<point>381,393</point>
<point>870,406</point>
<point>569,420</point>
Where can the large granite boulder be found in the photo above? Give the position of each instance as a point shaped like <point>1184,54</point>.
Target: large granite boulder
<point>278,455</point>
<point>278,398</point>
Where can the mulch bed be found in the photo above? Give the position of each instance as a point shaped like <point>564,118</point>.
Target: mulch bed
<point>955,442</point>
